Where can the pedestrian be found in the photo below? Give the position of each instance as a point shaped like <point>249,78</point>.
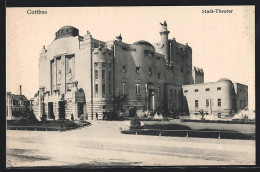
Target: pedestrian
<point>96,116</point>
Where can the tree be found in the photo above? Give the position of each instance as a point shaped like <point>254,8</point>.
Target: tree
<point>202,113</point>
<point>120,99</point>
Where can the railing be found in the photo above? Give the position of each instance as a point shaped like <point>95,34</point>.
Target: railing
<point>192,133</point>
<point>39,128</point>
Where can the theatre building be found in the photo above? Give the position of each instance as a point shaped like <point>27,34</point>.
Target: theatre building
<point>82,75</point>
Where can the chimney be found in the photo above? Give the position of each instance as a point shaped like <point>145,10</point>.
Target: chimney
<point>20,90</point>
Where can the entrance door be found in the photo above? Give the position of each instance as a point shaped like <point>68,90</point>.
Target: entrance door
<point>50,110</point>
<point>80,108</point>
<point>62,110</point>
<point>151,100</point>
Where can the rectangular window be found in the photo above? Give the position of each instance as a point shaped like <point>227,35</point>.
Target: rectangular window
<point>219,115</point>
<point>123,87</point>
<point>137,88</point>
<point>124,69</point>
<point>96,88</point>
<point>219,88</point>
<point>109,75</point>
<point>196,103</point>
<point>159,75</point>
<point>219,102</point>
<point>196,90</point>
<point>185,91</point>
<point>103,90</point>
<point>150,72</point>
<point>207,89</point>
<point>171,93</point>
<point>158,92</point>
<point>137,69</point>
<point>207,102</point>
<point>103,75</point>
<point>96,74</point>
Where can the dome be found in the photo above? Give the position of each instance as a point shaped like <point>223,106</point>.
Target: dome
<point>142,42</point>
<point>66,31</point>
<point>224,80</point>
<point>67,27</point>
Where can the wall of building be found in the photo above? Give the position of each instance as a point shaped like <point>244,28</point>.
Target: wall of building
<point>198,75</point>
<point>217,90</point>
<point>241,93</point>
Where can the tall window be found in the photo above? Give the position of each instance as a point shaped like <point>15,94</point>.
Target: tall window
<point>150,72</point>
<point>109,75</point>
<point>158,75</point>
<point>158,92</point>
<point>219,102</point>
<point>96,74</point>
<point>103,90</point>
<point>124,69</point>
<point>137,89</point>
<point>123,87</point>
<point>109,89</point>
<point>207,102</point>
<point>103,75</point>
<point>171,93</point>
<point>196,103</point>
<point>137,69</point>
<point>96,88</point>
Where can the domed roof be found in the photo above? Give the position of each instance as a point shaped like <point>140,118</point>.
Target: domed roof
<point>142,42</point>
<point>224,80</point>
<point>66,31</point>
<point>67,27</point>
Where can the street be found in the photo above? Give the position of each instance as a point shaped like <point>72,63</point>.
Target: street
<point>102,144</point>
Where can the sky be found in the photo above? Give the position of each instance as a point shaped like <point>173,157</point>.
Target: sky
<point>223,44</point>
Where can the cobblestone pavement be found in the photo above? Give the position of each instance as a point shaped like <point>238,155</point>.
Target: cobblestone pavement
<point>102,144</point>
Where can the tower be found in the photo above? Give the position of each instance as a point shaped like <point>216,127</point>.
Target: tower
<point>164,41</point>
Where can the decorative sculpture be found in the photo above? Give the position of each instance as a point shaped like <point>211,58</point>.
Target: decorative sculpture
<point>164,23</point>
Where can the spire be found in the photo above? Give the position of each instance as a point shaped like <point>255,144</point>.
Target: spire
<point>20,90</point>
<point>119,38</point>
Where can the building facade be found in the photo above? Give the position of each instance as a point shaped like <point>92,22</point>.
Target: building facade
<point>82,75</point>
<point>219,99</point>
<point>16,104</point>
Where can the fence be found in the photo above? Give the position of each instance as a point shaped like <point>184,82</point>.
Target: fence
<point>192,133</point>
